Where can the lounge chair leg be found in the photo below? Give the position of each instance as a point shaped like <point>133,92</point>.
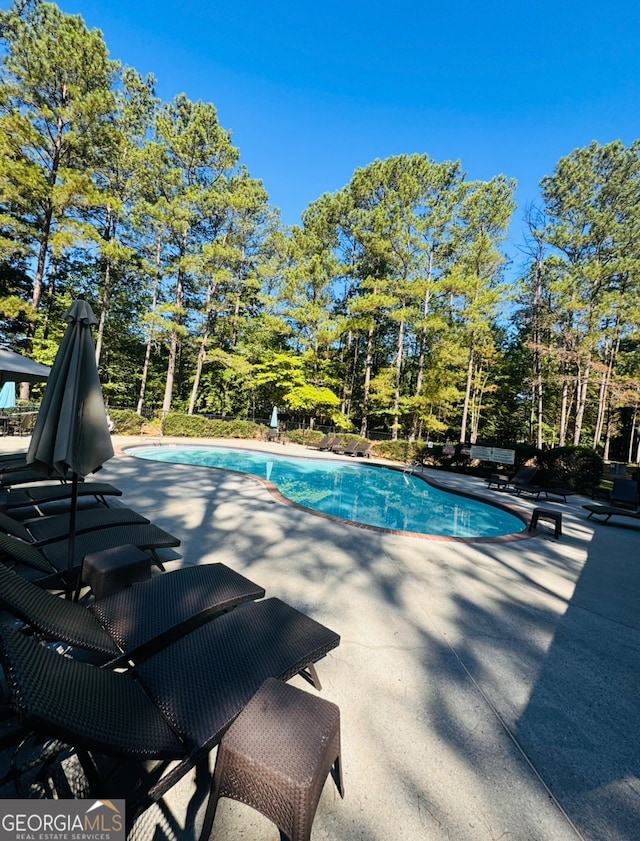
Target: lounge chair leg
<point>336,773</point>
<point>310,674</point>
<point>209,815</point>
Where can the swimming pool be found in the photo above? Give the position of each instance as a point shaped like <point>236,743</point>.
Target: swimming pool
<point>363,494</point>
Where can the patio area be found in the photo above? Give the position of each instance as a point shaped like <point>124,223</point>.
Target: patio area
<point>487,690</point>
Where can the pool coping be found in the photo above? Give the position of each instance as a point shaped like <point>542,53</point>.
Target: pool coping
<point>124,449</point>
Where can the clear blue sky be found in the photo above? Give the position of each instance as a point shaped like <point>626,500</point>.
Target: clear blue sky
<point>313,90</point>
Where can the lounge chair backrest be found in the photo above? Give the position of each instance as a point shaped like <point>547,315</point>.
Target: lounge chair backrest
<point>135,621</point>
<point>120,720</point>
<point>17,551</point>
<point>625,490</point>
<point>60,619</point>
<point>524,475</point>
<point>9,525</point>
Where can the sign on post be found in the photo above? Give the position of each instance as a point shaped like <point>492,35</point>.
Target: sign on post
<point>497,454</point>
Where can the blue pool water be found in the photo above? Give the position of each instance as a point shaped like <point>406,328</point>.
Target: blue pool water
<point>361,493</point>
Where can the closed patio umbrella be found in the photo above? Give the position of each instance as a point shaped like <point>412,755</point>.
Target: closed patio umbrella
<point>8,396</point>
<point>15,368</point>
<point>71,434</point>
<point>274,418</point>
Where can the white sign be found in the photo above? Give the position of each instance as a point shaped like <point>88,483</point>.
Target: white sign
<point>504,456</point>
<point>482,453</point>
<point>496,454</point>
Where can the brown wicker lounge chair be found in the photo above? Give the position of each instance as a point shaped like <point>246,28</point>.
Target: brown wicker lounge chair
<point>48,529</point>
<point>176,707</point>
<point>46,564</point>
<point>363,449</point>
<point>521,479</point>
<point>128,625</point>
<point>35,495</point>
<point>346,448</point>
<point>11,461</point>
<point>322,443</point>
<point>624,494</point>
<point>22,475</point>
<point>608,511</point>
<point>334,441</point>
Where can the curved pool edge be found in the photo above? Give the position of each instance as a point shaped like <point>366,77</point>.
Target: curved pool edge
<point>124,449</point>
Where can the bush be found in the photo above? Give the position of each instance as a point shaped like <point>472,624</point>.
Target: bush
<point>396,450</point>
<point>186,426</point>
<point>237,429</point>
<point>179,425</point>
<point>579,468</point>
<point>126,421</point>
<point>305,436</point>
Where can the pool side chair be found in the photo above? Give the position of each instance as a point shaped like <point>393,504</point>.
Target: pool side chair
<point>35,495</point>
<point>498,480</point>
<point>24,475</point>
<point>46,564</point>
<point>346,448</point>
<point>556,491</point>
<point>173,708</point>
<point>333,441</point>
<point>41,530</point>
<point>134,622</point>
<point>363,450</point>
<point>11,461</point>
<point>624,494</point>
<point>321,444</point>
<point>518,481</point>
<point>523,479</point>
<point>608,511</point>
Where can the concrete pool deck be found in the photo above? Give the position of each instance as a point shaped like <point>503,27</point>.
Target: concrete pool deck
<point>487,690</point>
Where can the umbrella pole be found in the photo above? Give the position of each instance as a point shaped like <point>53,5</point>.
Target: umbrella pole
<point>72,543</point>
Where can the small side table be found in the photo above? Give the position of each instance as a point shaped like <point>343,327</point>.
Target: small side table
<point>547,514</point>
<point>276,756</point>
<point>111,570</point>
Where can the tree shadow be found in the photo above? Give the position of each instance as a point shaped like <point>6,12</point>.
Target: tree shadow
<point>509,668</point>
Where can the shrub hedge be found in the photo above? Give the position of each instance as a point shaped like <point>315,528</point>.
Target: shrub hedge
<point>579,468</point>
<point>180,425</point>
<point>126,422</point>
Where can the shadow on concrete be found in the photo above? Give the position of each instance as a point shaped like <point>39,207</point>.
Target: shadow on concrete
<point>520,656</point>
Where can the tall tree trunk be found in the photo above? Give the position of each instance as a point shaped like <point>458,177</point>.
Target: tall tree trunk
<point>467,398</point>
<point>538,387</point>
<point>202,353</point>
<point>564,413</point>
<point>202,350</point>
<point>581,400</point>
<point>367,381</point>
<point>347,383</point>
<point>109,236</point>
<point>603,398</point>
<point>396,397</point>
<point>476,404</point>
<point>422,355</point>
<point>607,440</point>
<point>171,373</point>
<point>632,436</point>
<point>174,346</point>
<point>147,353</point>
